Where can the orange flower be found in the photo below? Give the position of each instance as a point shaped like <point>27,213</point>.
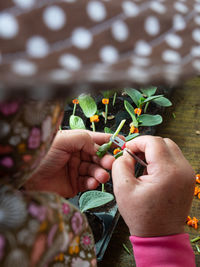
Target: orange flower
<point>94,118</point>
<point>105,101</point>
<point>74,246</point>
<point>138,111</point>
<point>196,190</point>
<point>134,129</point>
<point>59,257</point>
<point>75,101</point>
<point>116,150</point>
<point>192,222</point>
<point>198,178</point>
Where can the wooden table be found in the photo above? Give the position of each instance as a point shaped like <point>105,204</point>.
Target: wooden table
<point>182,130</point>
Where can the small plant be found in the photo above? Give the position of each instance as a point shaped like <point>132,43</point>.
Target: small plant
<point>103,149</point>
<point>142,101</point>
<point>75,122</point>
<point>93,199</point>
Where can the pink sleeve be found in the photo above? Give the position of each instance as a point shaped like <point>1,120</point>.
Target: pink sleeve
<point>166,251</point>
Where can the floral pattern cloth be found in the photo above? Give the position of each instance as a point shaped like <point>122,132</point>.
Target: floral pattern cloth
<point>36,228</point>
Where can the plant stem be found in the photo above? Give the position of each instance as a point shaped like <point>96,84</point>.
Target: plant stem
<point>114,99</point>
<point>93,126</point>
<point>74,109</point>
<point>146,106</point>
<point>102,188</point>
<point>106,112</point>
<point>198,249</point>
<point>126,249</point>
<point>195,239</point>
<point>118,128</point>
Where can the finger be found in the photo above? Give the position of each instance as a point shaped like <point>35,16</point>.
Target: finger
<point>106,162</point>
<point>154,148</point>
<point>73,141</point>
<point>87,183</point>
<point>73,164</point>
<point>94,170</point>
<point>123,175</point>
<point>102,138</point>
<point>173,147</point>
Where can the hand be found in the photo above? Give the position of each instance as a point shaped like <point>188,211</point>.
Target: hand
<point>71,165</point>
<point>158,202</point>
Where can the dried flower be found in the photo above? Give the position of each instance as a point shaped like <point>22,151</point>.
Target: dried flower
<point>94,118</point>
<point>116,150</point>
<point>105,101</point>
<point>134,129</point>
<point>192,222</point>
<point>196,190</point>
<point>75,101</point>
<point>138,111</point>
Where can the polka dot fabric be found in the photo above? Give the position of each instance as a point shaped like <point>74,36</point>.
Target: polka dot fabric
<point>68,43</point>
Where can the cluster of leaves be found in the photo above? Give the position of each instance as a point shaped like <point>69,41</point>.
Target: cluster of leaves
<point>139,100</point>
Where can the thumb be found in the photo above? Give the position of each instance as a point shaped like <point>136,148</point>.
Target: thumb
<point>123,174</point>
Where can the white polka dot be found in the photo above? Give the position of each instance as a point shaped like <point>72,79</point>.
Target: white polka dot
<point>180,7</point>
<point>120,31</point>
<point>8,26</point>
<point>59,75</point>
<point>130,9</point>
<point>37,47</point>
<point>139,61</point>
<point>197,20</point>
<point>197,8</point>
<point>109,54</point>
<point>24,67</point>
<point>96,10</point>
<point>196,64</point>
<point>54,17</point>
<point>152,25</point>
<point>158,7</point>
<point>179,23</point>
<point>171,56</point>
<point>172,73</point>
<point>173,40</point>
<point>24,3</point>
<point>142,48</point>
<point>196,35</point>
<point>70,62</point>
<point>81,38</point>
<point>195,51</point>
<point>138,74</point>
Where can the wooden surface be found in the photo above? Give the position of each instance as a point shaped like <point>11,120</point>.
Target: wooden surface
<point>181,129</point>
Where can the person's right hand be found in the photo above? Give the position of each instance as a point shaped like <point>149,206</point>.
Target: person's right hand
<point>158,202</point>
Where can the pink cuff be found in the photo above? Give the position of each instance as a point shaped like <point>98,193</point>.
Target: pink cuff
<point>165,251</point>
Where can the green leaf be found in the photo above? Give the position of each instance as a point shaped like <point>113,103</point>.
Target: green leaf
<point>87,105</point>
<point>108,130</point>
<point>76,122</point>
<point>129,108</point>
<point>131,136</point>
<point>134,94</point>
<point>150,120</point>
<point>108,93</point>
<point>149,91</point>
<point>93,199</point>
<point>151,98</point>
<point>163,101</point>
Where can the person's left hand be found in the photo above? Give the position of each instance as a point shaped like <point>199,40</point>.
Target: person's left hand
<point>71,165</point>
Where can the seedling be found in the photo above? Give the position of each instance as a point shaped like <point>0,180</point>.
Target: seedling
<point>75,122</point>
<point>103,149</point>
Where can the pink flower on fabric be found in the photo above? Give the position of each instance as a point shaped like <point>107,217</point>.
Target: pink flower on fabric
<point>87,241</point>
<point>51,235</point>
<point>7,162</point>
<point>9,108</point>
<point>65,208</point>
<point>37,211</point>
<point>77,221</point>
<point>2,244</point>
<point>34,138</point>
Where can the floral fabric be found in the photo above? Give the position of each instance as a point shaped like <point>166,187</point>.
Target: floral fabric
<point>36,229</point>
